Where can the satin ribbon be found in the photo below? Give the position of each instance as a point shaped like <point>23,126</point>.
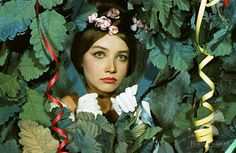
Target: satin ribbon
<point>204,133</point>
<point>50,84</point>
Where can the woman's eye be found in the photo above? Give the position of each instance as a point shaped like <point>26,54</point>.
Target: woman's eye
<point>99,54</point>
<point>122,57</point>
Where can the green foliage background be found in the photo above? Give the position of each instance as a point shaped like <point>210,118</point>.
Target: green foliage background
<point>26,66</point>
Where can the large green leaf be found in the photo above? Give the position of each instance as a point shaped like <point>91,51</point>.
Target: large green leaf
<point>228,110</point>
<point>35,138</point>
<point>186,143</point>
<point>165,147</point>
<point>104,124</point>
<point>3,55</point>
<point>83,135</point>
<point>29,66</point>
<point>122,147</point>
<point>148,134</point>
<point>81,19</point>
<point>8,111</point>
<point>183,120</point>
<point>163,6</point>
<point>158,58</point>
<point>181,56</point>
<point>15,17</point>
<point>8,85</point>
<point>35,108</point>
<point>229,62</point>
<point>52,26</point>
<point>174,24</point>
<point>48,4</point>
<point>153,18</point>
<point>9,146</point>
<point>223,47</point>
<point>65,121</point>
<point>165,105</point>
<point>182,4</point>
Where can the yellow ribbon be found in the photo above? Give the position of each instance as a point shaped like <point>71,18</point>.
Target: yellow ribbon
<point>205,132</point>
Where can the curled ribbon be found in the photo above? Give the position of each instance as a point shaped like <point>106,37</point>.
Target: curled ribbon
<point>205,132</point>
<point>50,84</point>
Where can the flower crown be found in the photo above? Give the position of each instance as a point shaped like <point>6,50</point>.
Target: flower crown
<point>104,23</point>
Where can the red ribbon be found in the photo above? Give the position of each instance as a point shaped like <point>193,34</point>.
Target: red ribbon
<point>226,3</point>
<point>50,84</point>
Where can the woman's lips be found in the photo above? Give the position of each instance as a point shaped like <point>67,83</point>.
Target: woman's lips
<point>109,80</point>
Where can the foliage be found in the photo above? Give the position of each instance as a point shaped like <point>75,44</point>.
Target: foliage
<point>26,66</point>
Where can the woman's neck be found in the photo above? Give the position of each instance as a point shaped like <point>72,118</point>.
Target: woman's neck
<point>102,95</point>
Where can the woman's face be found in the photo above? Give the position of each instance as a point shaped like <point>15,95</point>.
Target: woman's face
<point>105,64</point>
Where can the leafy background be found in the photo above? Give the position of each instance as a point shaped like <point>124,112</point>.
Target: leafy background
<point>26,67</point>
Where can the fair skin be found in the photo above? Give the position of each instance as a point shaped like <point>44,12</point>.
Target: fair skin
<point>105,66</point>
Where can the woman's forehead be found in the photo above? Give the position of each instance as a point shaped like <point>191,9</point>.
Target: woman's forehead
<point>111,43</point>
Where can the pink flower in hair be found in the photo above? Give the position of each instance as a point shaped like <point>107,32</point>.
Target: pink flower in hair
<point>113,13</point>
<point>113,30</point>
<point>103,22</point>
<point>92,17</point>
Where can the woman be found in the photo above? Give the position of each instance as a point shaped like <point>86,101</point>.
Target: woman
<point>105,53</point>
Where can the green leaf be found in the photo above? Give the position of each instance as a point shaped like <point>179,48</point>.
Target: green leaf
<point>229,62</point>
<point>83,135</point>
<point>15,17</point>
<point>104,124</point>
<point>174,24</point>
<point>34,108</point>
<point>158,58</point>
<point>165,147</point>
<point>81,19</point>
<point>65,121</point>
<point>8,111</point>
<point>153,18</point>
<point>29,66</point>
<point>35,138</point>
<point>181,57</point>
<point>147,4</point>
<point>48,4</point>
<point>148,134</point>
<point>165,105</point>
<point>223,47</point>
<point>186,142</point>
<point>3,55</point>
<point>8,85</point>
<point>163,7</point>
<point>227,83</point>
<point>228,110</point>
<point>52,26</point>
<point>183,120</point>
<point>182,4</point>
<point>9,146</point>
<point>202,112</point>
<point>122,147</point>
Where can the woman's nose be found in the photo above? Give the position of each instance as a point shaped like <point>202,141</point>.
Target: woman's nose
<point>111,66</point>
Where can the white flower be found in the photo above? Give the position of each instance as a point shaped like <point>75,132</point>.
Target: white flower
<point>103,22</point>
<point>113,13</point>
<point>92,17</point>
<point>113,30</point>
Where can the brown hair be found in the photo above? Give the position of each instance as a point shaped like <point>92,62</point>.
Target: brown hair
<point>85,39</point>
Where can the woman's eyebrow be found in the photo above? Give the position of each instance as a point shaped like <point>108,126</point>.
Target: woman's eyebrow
<point>123,51</point>
<point>100,47</point>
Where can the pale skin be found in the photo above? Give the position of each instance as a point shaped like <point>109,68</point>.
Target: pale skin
<point>105,66</point>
